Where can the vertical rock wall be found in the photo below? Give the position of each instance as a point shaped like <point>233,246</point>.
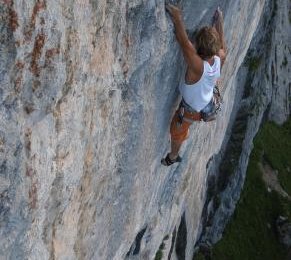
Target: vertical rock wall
<point>87,92</point>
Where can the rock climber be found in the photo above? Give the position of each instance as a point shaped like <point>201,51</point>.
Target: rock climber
<point>204,60</point>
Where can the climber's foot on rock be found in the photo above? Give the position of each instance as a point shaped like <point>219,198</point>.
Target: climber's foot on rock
<point>167,161</point>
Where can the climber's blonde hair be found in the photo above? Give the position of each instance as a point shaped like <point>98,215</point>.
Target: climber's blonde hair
<point>207,42</point>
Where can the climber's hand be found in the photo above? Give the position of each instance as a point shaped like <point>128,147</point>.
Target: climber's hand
<point>218,12</point>
<point>217,17</point>
<point>174,11</point>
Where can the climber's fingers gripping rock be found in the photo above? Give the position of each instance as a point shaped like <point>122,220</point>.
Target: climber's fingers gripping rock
<point>173,10</point>
<point>217,17</point>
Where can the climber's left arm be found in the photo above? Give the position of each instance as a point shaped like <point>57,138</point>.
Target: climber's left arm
<point>217,23</point>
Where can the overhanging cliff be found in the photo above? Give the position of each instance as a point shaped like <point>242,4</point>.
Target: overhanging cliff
<point>87,92</point>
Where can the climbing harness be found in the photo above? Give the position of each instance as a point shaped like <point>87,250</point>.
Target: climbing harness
<point>187,114</point>
<point>207,114</point>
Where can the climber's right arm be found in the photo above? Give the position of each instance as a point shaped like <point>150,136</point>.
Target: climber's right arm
<point>218,25</point>
<point>193,60</point>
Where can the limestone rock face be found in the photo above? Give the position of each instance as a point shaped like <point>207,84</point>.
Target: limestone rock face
<point>87,92</point>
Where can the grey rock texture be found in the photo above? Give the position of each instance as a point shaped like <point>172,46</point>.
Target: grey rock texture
<point>87,92</point>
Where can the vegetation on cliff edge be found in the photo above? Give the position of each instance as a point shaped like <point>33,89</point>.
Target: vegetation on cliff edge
<point>251,233</point>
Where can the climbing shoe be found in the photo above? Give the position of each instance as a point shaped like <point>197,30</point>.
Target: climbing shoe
<point>167,161</point>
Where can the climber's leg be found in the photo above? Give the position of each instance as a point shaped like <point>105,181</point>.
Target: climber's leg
<point>179,133</point>
<point>175,148</point>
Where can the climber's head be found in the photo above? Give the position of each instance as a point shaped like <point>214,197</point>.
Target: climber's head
<point>207,42</point>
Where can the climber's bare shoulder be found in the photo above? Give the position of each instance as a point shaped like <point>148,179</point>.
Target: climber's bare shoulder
<point>194,62</point>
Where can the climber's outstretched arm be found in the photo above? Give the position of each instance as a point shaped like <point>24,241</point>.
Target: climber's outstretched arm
<point>193,60</point>
<point>217,23</point>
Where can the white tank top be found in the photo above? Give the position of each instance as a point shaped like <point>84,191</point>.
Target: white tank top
<point>199,94</point>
